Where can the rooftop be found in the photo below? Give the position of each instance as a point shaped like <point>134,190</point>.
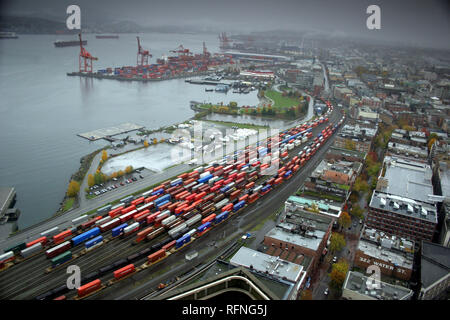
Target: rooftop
<point>293,203</point>
<point>435,263</point>
<point>358,282</point>
<point>285,232</point>
<point>407,178</point>
<point>403,206</point>
<point>397,258</point>
<point>407,149</point>
<point>268,264</point>
<point>387,241</point>
<point>357,131</point>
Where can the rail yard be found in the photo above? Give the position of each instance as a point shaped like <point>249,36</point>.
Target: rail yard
<point>137,235</point>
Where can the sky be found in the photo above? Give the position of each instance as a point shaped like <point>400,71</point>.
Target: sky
<point>422,23</point>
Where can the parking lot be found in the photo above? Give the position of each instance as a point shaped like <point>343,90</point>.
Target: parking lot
<point>115,183</point>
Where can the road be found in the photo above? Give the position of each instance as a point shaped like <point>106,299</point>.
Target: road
<point>33,282</point>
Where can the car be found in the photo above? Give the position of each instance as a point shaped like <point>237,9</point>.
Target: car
<point>134,179</point>
<point>141,177</point>
<point>109,188</point>
<point>97,193</point>
<point>114,179</point>
<point>334,259</point>
<point>122,184</point>
<point>326,291</point>
<point>360,221</point>
<point>126,181</point>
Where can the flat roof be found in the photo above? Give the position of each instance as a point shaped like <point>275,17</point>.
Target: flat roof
<point>416,209</point>
<point>283,232</point>
<point>329,209</point>
<point>358,282</point>
<point>402,260</point>
<point>110,131</point>
<point>407,178</point>
<point>435,263</point>
<point>262,262</point>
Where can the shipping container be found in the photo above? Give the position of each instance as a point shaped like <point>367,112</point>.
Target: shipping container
<point>89,288</point>
<point>118,230</point>
<point>156,256</point>
<point>122,272</point>
<point>62,258</point>
<point>86,236</point>
<point>41,240</point>
<point>56,250</point>
<point>91,243</point>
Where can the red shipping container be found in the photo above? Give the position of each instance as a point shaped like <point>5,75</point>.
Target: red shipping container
<point>150,199</point>
<point>128,209</point>
<point>209,218</point>
<point>244,197</point>
<point>152,217</point>
<point>142,234</point>
<point>89,288</point>
<point>141,216</point>
<point>169,246</point>
<point>61,237</point>
<point>249,185</point>
<point>42,240</point>
<point>156,256</point>
<point>165,206</point>
<point>122,272</point>
<point>200,196</point>
<point>116,212</point>
<point>138,201</point>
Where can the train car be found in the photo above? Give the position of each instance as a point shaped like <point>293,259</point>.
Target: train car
<point>201,229</point>
<point>53,252</point>
<point>93,242</point>
<point>175,231</point>
<point>155,233</point>
<point>50,232</point>
<point>142,234</point>
<point>16,248</point>
<point>154,257</point>
<point>127,216</point>
<point>29,251</point>
<point>118,230</point>
<point>89,288</point>
<point>220,217</point>
<point>78,221</point>
<point>209,218</point>
<point>90,223</point>
<point>138,201</point>
<point>141,217</point>
<point>103,220</point>
<point>60,259</point>
<point>85,236</point>
<point>41,240</point>
<point>115,212</point>
<point>169,245</point>
<point>131,228</point>
<point>109,225</point>
<point>63,236</point>
<point>124,271</point>
<point>182,241</point>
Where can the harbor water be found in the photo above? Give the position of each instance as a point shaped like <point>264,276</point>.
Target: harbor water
<point>42,109</point>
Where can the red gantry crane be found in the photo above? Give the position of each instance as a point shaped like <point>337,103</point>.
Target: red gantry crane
<point>85,58</point>
<point>225,42</point>
<point>182,52</point>
<point>142,55</point>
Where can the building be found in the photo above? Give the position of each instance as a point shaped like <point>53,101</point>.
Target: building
<point>330,209</point>
<point>271,266</point>
<point>303,233</point>
<point>366,113</point>
<point>434,271</point>
<point>360,287</point>
<point>355,137</point>
<point>393,255</point>
<point>404,217</point>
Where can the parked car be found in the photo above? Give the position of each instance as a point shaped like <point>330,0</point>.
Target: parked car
<point>141,177</point>
<point>334,259</point>
<point>134,179</point>
<point>326,292</point>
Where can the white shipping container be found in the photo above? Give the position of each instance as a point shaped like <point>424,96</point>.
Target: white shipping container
<point>103,220</point>
<point>8,255</point>
<point>194,220</point>
<point>31,250</point>
<point>168,220</point>
<point>80,220</point>
<point>130,228</point>
<point>50,232</point>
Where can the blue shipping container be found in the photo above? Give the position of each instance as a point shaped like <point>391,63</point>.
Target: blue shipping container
<point>117,230</point>
<point>93,242</point>
<point>85,236</point>
<point>184,239</point>
<point>162,203</point>
<point>162,199</point>
<point>204,226</point>
<point>158,192</point>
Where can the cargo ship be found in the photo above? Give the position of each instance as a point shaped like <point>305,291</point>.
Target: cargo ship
<point>8,35</point>
<point>105,36</point>
<point>72,43</point>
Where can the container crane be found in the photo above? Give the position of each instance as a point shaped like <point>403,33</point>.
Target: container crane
<point>182,52</point>
<point>224,41</point>
<point>142,55</point>
<point>85,58</point>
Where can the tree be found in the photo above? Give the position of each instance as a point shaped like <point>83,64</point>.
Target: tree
<point>337,242</point>
<point>73,188</point>
<point>129,169</point>
<point>91,180</point>
<point>344,220</point>
<point>306,295</point>
<point>338,273</point>
<point>146,143</point>
<point>120,173</point>
<point>357,211</point>
<point>350,144</point>
<point>99,177</point>
<point>360,185</point>
<point>104,155</point>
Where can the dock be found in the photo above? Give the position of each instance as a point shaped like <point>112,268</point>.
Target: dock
<point>105,133</point>
<point>8,214</point>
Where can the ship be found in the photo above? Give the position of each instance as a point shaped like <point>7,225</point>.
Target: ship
<point>72,43</point>
<point>8,35</point>
<point>105,36</point>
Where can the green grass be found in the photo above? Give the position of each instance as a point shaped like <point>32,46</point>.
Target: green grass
<point>280,101</point>
<point>239,125</point>
<point>68,204</point>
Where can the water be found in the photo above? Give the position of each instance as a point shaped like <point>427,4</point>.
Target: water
<point>42,109</point>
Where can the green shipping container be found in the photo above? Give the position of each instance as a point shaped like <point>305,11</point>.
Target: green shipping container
<point>63,257</point>
<point>17,247</point>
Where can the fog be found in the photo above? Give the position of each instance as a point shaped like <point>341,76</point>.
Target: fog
<point>423,23</point>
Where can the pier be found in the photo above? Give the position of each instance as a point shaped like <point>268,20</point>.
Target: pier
<point>105,133</point>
